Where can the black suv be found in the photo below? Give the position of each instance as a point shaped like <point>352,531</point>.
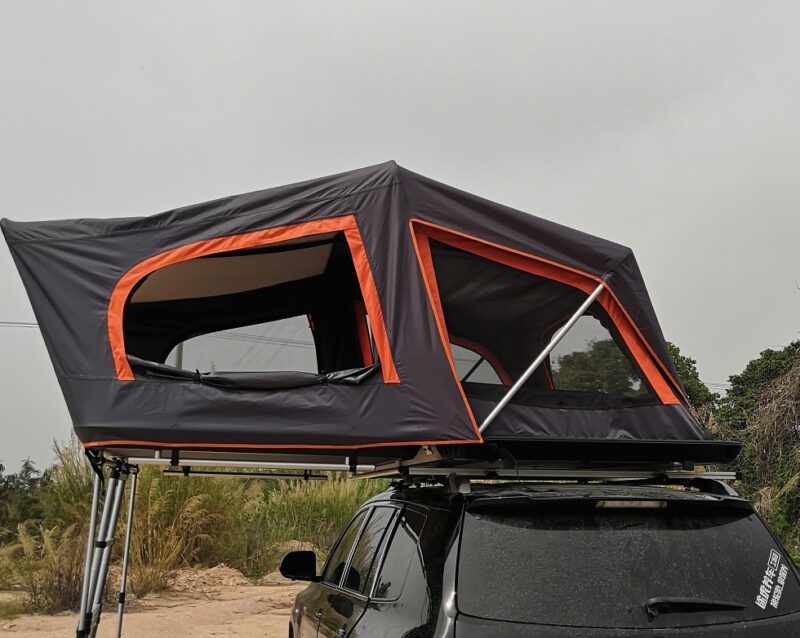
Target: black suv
<point>550,559</point>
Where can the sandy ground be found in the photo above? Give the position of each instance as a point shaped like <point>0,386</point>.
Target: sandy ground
<point>229,610</point>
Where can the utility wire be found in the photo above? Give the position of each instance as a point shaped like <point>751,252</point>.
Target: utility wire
<point>18,324</point>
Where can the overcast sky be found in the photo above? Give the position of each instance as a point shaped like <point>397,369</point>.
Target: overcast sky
<point>673,127</point>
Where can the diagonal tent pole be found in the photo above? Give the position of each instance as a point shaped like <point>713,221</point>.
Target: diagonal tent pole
<point>134,471</point>
<point>554,341</point>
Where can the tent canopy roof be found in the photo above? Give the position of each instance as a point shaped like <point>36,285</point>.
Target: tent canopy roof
<point>373,308</point>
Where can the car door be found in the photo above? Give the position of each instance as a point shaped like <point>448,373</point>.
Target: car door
<point>345,602</point>
<point>407,589</point>
<point>310,603</point>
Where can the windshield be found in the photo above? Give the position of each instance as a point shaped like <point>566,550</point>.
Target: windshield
<point>579,565</point>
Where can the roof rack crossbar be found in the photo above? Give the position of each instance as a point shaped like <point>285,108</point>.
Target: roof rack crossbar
<point>187,471</point>
<point>253,465</point>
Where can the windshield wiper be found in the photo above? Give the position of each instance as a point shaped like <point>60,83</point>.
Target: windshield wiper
<point>671,605</point>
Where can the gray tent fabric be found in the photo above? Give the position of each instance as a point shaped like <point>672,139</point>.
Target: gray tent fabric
<point>365,230</point>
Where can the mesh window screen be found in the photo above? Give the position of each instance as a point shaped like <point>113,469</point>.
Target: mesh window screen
<point>509,316</point>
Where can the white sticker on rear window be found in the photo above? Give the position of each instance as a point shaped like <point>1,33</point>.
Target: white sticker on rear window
<point>771,588</point>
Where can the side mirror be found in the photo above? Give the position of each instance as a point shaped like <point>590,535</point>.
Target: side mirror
<point>300,565</point>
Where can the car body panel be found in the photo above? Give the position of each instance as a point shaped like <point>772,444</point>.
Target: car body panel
<point>429,607</point>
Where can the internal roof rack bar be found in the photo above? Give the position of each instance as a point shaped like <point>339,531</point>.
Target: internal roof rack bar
<point>610,474</point>
<point>554,341</point>
<point>256,465</point>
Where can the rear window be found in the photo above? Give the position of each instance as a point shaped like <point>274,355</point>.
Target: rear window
<point>578,565</point>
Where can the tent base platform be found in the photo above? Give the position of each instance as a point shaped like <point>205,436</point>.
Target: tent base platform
<point>510,452</point>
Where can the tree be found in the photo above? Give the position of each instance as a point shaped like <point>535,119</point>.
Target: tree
<point>19,497</point>
<point>743,397</point>
<point>600,368</point>
<point>698,393</point>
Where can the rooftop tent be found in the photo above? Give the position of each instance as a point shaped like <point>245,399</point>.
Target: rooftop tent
<point>375,310</point>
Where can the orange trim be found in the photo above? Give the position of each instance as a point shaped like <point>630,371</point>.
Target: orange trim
<point>363,334</point>
<point>347,223</point>
<point>585,282</point>
<point>490,358</point>
<point>270,446</point>
<point>423,250</point>
<point>372,302</point>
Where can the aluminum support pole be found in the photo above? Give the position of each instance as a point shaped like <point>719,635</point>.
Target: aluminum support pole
<point>554,341</point>
<point>106,545</point>
<point>98,542</point>
<point>126,551</point>
<point>260,465</point>
<point>83,622</point>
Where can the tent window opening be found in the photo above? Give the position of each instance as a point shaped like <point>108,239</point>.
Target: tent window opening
<point>512,314</point>
<point>295,306</point>
<point>588,359</point>
<point>474,366</point>
<point>286,344</point>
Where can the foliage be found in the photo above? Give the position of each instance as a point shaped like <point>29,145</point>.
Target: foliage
<point>177,521</point>
<point>19,498</point>
<point>770,457</point>
<point>602,367</point>
<point>309,511</point>
<point>65,498</point>
<point>48,565</point>
<point>698,393</point>
<point>744,396</point>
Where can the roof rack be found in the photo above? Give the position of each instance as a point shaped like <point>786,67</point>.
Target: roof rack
<point>435,464</point>
<point>553,473</point>
<point>430,465</point>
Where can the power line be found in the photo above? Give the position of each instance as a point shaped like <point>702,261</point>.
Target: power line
<point>18,324</point>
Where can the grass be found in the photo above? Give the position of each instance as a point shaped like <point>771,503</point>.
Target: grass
<point>10,610</point>
<point>47,564</point>
<point>312,512</point>
<point>179,522</point>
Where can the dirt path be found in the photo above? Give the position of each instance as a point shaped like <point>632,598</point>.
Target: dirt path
<point>241,610</point>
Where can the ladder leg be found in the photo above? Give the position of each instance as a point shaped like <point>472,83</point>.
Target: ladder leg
<point>105,544</point>
<point>87,567</point>
<point>126,551</point>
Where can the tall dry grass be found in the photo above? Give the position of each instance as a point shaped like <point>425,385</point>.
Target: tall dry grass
<point>178,522</point>
<point>770,458</point>
<point>308,511</point>
<point>47,564</point>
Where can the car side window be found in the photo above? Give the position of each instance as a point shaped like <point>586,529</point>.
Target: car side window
<point>403,558</point>
<point>337,560</point>
<point>359,571</point>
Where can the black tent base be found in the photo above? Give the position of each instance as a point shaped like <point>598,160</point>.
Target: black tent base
<point>604,451</point>
<point>597,452</point>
